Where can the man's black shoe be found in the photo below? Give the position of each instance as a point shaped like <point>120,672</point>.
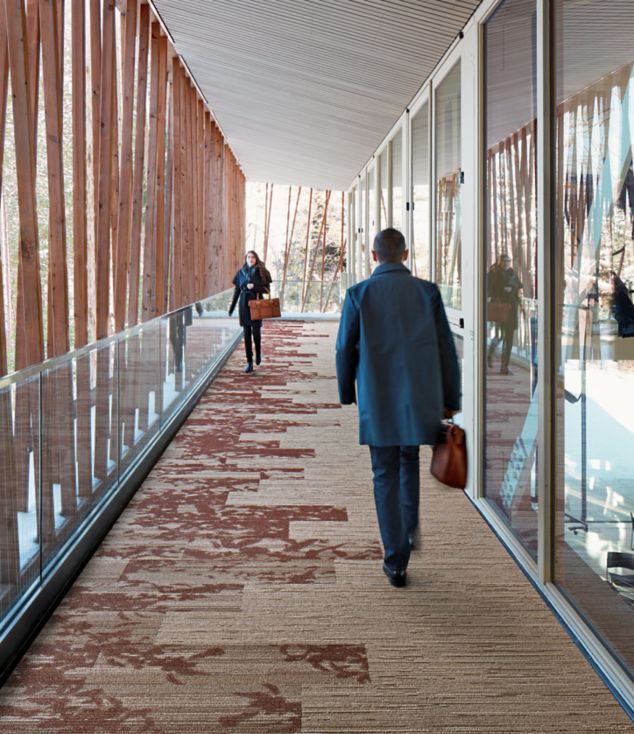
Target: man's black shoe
<point>396,578</point>
<point>249,367</point>
<point>258,358</point>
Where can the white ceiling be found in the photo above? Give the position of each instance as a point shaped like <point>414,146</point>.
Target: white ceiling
<point>305,90</point>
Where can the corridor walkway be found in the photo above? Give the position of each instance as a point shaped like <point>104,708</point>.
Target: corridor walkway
<point>241,591</point>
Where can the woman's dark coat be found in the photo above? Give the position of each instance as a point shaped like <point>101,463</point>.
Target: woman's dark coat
<point>242,278</point>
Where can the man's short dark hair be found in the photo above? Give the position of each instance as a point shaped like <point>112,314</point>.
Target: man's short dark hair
<point>389,245</point>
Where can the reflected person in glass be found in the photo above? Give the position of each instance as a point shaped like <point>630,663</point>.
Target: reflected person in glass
<point>503,292</point>
<point>251,281</point>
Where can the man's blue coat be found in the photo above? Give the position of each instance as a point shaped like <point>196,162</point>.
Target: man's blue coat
<point>394,339</point>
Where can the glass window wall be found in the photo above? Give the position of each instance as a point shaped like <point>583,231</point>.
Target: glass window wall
<point>594,559</point>
<point>448,234</point>
<point>510,395</point>
<point>384,191</point>
<point>397,181</point>
<point>420,245</point>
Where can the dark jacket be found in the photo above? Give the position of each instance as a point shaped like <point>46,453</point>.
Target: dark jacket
<point>242,278</point>
<point>395,341</point>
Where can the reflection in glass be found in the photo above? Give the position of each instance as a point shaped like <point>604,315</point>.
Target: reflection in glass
<point>397,180</point>
<point>420,247</point>
<point>372,222</point>
<point>511,260</point>
<point>595,327</point>
<point>448,235</point>
<point>384,192</point>
<point>20,500</point>
<point>141,391</point>
<point>363,238</point>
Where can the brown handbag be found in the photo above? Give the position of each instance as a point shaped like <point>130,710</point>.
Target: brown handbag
<point>449,457</point>
<point>498,312</point>
<point>264,308</point>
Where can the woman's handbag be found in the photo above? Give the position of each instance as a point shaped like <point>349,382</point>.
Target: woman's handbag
<point>264,308</point>
<point>498,312</point>
<point>449,457</point>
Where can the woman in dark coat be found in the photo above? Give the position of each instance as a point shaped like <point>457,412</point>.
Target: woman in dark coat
<point>251,280</point>
<point>503,286</point>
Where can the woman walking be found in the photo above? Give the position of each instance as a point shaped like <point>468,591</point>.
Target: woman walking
<point>251,280</point>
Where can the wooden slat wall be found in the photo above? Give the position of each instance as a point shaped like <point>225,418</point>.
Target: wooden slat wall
<point>152,229</point>
<point>173,162</point>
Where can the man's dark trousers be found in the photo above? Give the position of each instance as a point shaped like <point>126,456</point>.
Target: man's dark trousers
<point>396,494</point>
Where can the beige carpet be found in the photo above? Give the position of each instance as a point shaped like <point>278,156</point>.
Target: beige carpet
<point>241,591</point>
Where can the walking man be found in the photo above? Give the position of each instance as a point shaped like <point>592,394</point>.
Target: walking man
<point>395,341</point>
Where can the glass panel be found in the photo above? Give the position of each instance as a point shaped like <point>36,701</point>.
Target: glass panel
<point>397,181</point>
<point>594,560</point>
<point>459,342</point>
<point>68,433</point>
<point>448,235</point>
<point>372,223</point>
<point>510,400</point>
<point>20,501</point>
<point>71,484</point>
<point>140,391</point>
<point>348,265</point>
<point>421,249</point>
<point>384,192</point>
<point>361,253</point>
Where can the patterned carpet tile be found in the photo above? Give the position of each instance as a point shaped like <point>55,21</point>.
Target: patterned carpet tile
<point>241,592</point>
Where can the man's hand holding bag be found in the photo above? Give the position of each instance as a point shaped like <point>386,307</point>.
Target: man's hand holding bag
<point>449,458</point>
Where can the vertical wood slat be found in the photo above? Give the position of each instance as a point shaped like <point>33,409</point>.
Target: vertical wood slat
<point>149,255</point>
<point>220,280</point>
<point>80,248</point>
<point>159,243</point>
<point>57,390</point>
<point>103,217</point>
<point>33,54</point>
<point>176,264</point>
<point>139,167</point>
<point>210,259</point>
<point>307,246</point>
<point>169,185</point>
<point>30,284</point>
<point>58,341</point>
<point>114,174</point>
<point>9,549</point>
<point>103,214</point>
<point>201,265</point>
<point>4,88</point>
<point>190,192</point>
<point>125,179</point>
<point>185,199</point>
<point>194,185</point>
<point>80,228</point>
<point>95,83</point>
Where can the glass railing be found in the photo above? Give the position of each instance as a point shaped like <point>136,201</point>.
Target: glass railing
<point>311,297</point>
<point>73,428</point>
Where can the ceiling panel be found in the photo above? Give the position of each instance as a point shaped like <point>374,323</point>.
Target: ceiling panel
<point>305,90</point>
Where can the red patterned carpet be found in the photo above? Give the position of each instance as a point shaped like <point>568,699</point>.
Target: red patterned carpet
<point>241,591</point>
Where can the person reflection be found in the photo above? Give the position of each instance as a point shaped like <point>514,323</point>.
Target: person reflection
<point>503,292</point>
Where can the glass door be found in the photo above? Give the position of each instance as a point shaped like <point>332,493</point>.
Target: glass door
<point>447,182</point>
<point>420,195</point>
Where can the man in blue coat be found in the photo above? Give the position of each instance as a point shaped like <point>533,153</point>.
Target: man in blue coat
<point>395,341</point>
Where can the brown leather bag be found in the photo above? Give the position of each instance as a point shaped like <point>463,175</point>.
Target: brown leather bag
<point>264,308</point>
<point>498,312</point>
<point>449,457</point>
